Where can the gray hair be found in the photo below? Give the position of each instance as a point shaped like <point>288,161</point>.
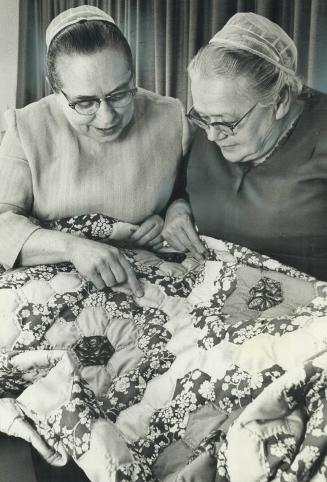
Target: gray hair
<point>266,81</point>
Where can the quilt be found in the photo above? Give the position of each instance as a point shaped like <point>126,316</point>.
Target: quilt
<point>218,373</point>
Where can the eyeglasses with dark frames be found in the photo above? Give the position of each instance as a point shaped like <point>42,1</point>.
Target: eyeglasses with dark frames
<point>90,105</point>
<point>227,128</point>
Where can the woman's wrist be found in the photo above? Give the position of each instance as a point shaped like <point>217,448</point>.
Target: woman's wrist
<point>179,207</point>
<point>47,246</point>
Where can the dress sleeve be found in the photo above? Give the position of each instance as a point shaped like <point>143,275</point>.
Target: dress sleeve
<point>187,130</point>
<point>16,195</point>
<point>179,190</point>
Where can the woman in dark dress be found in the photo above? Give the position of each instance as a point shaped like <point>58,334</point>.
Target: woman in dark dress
<point>257,171</point>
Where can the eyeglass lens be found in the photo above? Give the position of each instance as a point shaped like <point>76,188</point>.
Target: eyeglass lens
<point>121,99</point>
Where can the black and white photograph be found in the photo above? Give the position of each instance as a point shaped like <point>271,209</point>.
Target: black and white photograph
<point>163,240</point>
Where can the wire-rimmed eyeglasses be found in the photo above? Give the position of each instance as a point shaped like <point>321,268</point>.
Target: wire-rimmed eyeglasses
<point>227,128</point>
<point>90,105</point>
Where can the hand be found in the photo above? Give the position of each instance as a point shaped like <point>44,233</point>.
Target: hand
<point>179,230</point>
<point>149,233</point>
<point>102,264</point>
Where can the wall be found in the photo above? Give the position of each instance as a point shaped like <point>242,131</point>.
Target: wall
<point>8,55</point>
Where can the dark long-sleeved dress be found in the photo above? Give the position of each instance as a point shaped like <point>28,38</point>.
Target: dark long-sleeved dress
<point>279,207</point>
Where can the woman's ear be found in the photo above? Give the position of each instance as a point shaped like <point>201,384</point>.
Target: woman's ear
<point>283,104</point>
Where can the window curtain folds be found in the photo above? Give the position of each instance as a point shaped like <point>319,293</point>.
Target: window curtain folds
<point>165,34</point>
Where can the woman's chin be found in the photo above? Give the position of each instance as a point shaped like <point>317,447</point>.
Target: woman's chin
<point>231,153</point>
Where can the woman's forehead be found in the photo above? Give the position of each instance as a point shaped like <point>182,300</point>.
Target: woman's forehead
<point>103,70</point>
<point>219,96</point>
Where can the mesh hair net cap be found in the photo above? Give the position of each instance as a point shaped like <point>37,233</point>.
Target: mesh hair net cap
<point>260,36</point>
<point>74,15</point>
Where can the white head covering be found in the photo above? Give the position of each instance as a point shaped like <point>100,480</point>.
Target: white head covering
<point>260,36</point>
<point>74,15</point>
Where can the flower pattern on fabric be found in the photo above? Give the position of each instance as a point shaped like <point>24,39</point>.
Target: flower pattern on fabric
<point>172,286</point>
<point>265,294</point>
<point>241,331</point>
<point>168,424</point>
<point>209,444</point>
<point>12,381</point>
<point>71,424</point>
<point>136,472</point>
<point>238,388</point>
<point>128,389</point>
<point>280,450</point>
<point>261,261</point>
<point>225,284</point>
<point>149,329</point>
<point>16,279</point>
<point>92,226</point>
<point>35,319</point>
<point>222,471</point>
<point>93,350</point>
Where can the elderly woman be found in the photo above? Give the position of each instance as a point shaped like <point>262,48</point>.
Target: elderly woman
<point>257,172</point>
<point>94,146</point>
<point>97,145</point>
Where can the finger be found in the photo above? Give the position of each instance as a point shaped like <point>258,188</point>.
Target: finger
<point>107,275</point>
<point>188,246</point>
<point>184,240</point>
<point>156,240</point>
<point>154,233</point>
<point>157,246</point>
<point>118,272</point>
<point>175,242</point>
<point>133,282</point>
<point>97,280</point>
<point>145,227</point>
<point>194,238</point>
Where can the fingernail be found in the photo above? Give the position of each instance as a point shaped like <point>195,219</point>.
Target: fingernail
<point>139,292</point>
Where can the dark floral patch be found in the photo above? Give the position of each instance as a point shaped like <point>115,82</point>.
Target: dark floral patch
<point>12,381</point>
<point>171,257</point>
<point>135,472</point>
<point>36,319</point>
<point>92,226</point>
<point>257,260</point>
<point>72,422</point>
<point>18,278</point>
<point>152,337</point>
<point>216,329</point>
<point>93,350</point>
<point>168,424</point>
<point>208,444</point>
<point>144,317</point>
<point>222,474</point>
<point>238,387</point>
<point>241,331</point>
<point>128,389</point>
<point>280,450</point>
<point>265,294</point>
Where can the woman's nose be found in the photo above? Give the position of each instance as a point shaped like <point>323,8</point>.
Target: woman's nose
<point>105,114</point>
<point>215,134</point>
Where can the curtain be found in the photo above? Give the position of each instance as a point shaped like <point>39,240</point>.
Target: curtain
<point>165,34</point>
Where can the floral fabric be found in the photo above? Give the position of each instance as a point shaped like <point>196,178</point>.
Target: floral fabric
<point>171,386</point>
